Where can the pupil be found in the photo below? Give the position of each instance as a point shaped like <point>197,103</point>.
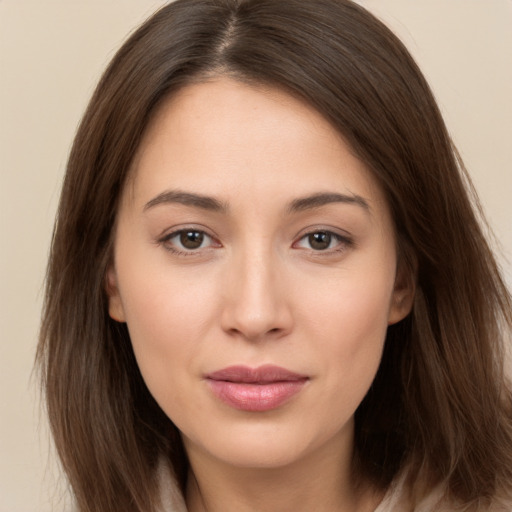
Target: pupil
<point>320,241</point>
<point>191,239</point>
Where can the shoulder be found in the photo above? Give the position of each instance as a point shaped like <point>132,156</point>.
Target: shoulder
<point>397,499</point>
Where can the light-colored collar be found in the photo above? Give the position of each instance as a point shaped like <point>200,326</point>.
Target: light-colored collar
<point>170,494</point>
<point>172,499</point>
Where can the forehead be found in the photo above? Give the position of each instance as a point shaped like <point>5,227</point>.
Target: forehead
<point>221,136</point>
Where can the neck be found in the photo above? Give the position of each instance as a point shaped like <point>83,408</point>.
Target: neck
<point>322,481</point>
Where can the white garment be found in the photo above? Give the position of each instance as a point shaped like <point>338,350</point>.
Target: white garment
<point>394,500</point>
<point>172,499</point>
<point>171,496</point>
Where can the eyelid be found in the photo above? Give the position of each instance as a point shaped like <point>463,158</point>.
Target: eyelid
<point>345,240</point>
<point>165,238</point>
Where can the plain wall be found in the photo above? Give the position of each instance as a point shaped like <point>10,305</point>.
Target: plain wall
<point>51,55</point>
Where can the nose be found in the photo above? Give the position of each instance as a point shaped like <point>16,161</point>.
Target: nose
<point>256,304</point>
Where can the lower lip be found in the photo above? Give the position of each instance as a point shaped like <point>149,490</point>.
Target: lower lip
<point>255,397</point>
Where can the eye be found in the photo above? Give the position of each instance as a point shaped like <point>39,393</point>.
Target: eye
<point>323,241</point>
<point>187,241</point>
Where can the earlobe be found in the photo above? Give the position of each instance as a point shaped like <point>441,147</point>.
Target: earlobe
<point>115,305</point>
<point>403,295</point>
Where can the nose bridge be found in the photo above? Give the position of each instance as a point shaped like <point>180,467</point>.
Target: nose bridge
<point>256,304</point>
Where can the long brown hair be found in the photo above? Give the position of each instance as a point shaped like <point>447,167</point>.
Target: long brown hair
<point>440,404</point>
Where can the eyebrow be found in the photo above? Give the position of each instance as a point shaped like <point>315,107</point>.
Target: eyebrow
<point>214,205</point>
<point>325,198</point>
<point>188,199</point>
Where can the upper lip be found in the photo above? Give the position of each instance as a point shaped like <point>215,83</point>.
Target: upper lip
<point>261,375</point>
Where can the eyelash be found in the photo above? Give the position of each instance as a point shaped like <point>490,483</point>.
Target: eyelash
<point>344,241</point>
<point>165,242</point>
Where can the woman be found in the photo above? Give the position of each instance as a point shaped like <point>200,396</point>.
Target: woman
<point>268,287</point>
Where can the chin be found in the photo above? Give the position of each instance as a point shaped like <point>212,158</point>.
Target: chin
<point>258,455</point>
<point>260,445</point>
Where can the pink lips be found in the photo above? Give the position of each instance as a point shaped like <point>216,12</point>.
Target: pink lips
<point>255,389</point>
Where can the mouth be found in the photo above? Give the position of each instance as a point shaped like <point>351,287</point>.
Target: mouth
<point>255,389</point>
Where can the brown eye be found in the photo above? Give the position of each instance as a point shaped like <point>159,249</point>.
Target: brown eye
<point>188,242</point>
<point>320,240</point>
<point>326,242</point>
<point>191,239</point>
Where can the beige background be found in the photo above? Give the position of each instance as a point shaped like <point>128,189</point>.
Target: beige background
<point>51,53</point>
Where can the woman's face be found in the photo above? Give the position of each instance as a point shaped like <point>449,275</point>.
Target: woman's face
<point>255,266</point>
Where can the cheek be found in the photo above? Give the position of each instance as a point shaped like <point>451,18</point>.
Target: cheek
<point>168,314</point>
<point>352,307</point>
<point>162,311</point>
<point>349,324</point>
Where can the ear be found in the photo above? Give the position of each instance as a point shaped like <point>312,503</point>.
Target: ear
<point>115,305</point>
<point>403,293</point>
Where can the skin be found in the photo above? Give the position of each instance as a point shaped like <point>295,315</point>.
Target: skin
<point>256,291</point>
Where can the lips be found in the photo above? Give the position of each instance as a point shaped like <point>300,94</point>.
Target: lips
<point>255,389</point>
